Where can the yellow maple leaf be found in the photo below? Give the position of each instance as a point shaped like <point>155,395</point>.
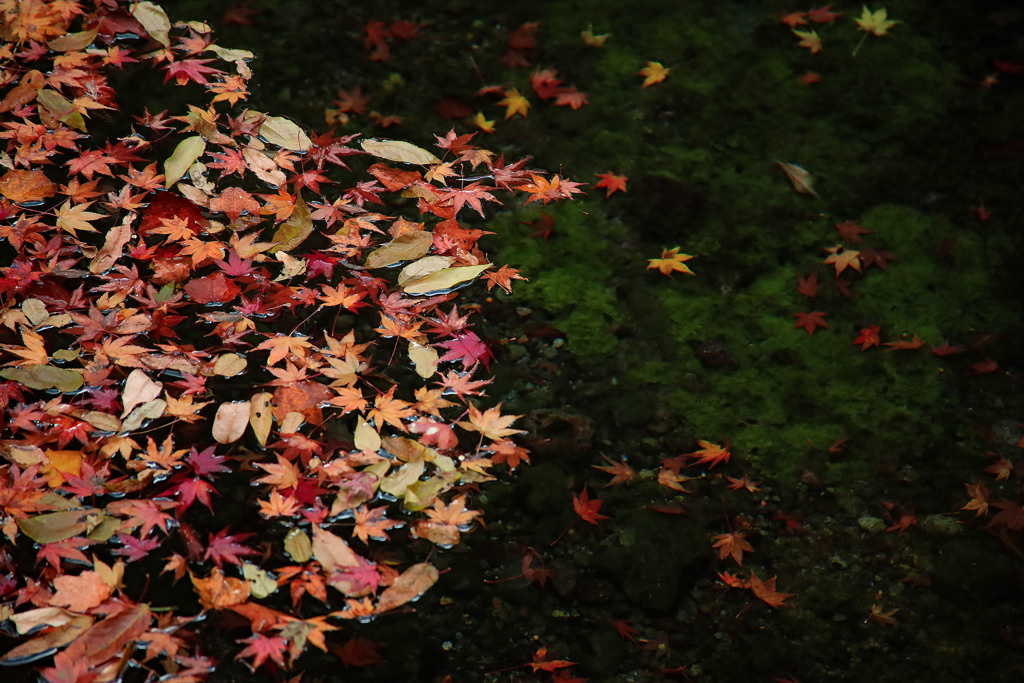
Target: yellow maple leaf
<point>843,258</point>
<point>671,260</point>
<point>877,23</point>
<point>483,123</point>
<point>653,73</point>
<point>593,40</point>
<point>514,103</point>
<point>809,39</point>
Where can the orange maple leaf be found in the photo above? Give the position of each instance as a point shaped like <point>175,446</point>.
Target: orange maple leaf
<point>371,523</point>
<point>200,250</point>
<point>620,471</point>
<point>540,663</point>
<point>283,475</point>
<point>278,505</point>
<point>653,73</point>
<point>765,590</point>
<point>282,345</point>
<point>33,353</point>
<point>711,453</point>
<point>611,182</point>
<point>734,545</point>
<point>843,258</point>
<point>587,509</point>
<point>671,260</point>
<point>454,514</point>
<point>491,423</point>
<point>391,410</point>
<point>503,278</point>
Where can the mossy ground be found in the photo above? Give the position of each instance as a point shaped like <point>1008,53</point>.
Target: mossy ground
<point>901,139</point>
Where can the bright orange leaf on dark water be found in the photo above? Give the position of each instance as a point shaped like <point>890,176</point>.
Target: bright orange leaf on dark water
<point>611,183</point>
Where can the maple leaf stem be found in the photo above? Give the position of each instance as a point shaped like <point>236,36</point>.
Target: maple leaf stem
<point>856,49</point>
<point>563,532</point>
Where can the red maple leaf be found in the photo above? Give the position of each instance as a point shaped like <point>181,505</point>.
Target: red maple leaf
<point>190,70</point>
<point>261,647</point>
<point>457,144</point>
<point>868,337</point>
<point>471,194</point>
<point>810,321</point>
<point>541,663</point>
<point>808,285</point>
<point>227,548</point>
<point>468,348</point>
<point>191,489</point>
<point>611,182</point>
<point>587,509</point>
<point>134,548</point>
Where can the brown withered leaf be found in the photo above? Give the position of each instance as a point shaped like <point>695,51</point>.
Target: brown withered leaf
<point>801,179</point>
<point>26,186</point>
<point>411,584</point>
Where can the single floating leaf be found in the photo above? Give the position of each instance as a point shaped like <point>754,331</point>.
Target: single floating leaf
<point>423,267</point>
<point>397,150</point>
<point>298,546</point>
<point>53,527</point>
<point>45,377</point>
<point>154,20</point>
<point>295,230</point>
<point>261,417</point>
<point>285,133</point>
<point>73,42</point>
<point>185,154</point>
<point>410,584</point>
<point>801,179</point>
<point>406,247</point>
<point>446,279</point>
<point>230,421</point>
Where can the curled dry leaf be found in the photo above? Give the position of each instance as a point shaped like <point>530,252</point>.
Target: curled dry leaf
<point>52,527</point>
<point>66,630</point>
<point>218,591</point>
<point>26,186</point>
<point>406,247</point>
<point>411,584</point>
<point>801,179</point>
